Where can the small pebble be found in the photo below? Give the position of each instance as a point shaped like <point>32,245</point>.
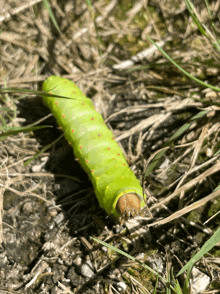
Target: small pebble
<point>104,249</point>
<point>86,269</point>
<point>56,290</point>
<point>140,256</point>
<point>118,229</point>
<point>121,286</point>
<point>3,260</point>
<point>156,264</point>
<point>48,246</point>
<point>199,281</point>
<point>59,218</point>
<point>37,168</point>
<point>52,211</point>
<point>116,272</point>
<point>27,208</point>
<point>78,261</point>
<point>165,164</point>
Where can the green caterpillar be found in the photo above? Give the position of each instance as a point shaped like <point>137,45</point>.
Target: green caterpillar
<point>116,187</point>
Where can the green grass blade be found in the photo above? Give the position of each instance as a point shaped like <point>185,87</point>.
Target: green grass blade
<point>134,259</point>
<point>205,248</point>
<point>183,129</point>
<point>217,153</point>
<point>91,9</point>
<point>211,18</point>
<point>168,290</point>
<point>17,130</point>
<point>43,150</point>
<point>217,188</point>
<point>156,283</point>
<point>176,283</point>
<point>47,5</point>
<point>181,69</point>
<point>204,31</point>
<point>20,90</point>
<point>29,92</point>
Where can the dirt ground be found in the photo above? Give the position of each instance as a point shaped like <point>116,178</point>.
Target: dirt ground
<point>50,212</point>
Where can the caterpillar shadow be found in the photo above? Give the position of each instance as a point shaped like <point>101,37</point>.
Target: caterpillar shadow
<point>71,186</point>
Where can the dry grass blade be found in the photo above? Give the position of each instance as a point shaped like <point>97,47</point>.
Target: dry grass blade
<point>147,53</point>
<point>187,209</point>
<point>18,10</point>
<point>198,145</point>
<point>1,215</point>
<point>26,193</point>
<point>64,288</point>
<point>190,184</point>
<point>143,125</point>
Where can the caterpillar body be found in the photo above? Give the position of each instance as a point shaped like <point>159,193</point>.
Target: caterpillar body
<point>116,187</point>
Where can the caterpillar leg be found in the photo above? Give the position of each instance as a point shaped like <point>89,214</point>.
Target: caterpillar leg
<point>128,204</point>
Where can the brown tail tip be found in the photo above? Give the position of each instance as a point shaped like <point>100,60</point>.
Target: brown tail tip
<point>128,204</point>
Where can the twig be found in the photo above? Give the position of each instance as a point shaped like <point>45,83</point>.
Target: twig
<point>146,53</point>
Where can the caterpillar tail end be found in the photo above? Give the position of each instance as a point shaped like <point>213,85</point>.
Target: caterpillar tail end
<point>128,204</point>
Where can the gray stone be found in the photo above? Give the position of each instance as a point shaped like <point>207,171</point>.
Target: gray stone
<point>87,269</point>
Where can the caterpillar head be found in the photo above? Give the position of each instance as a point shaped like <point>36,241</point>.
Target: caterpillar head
<point>128,204</point>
